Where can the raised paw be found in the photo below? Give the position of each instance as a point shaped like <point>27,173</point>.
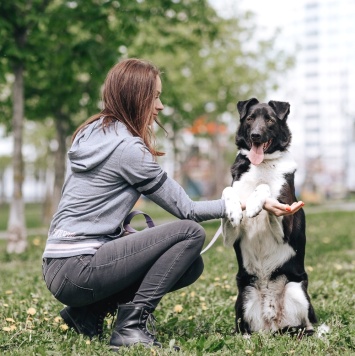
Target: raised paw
<point>256,200</point>
<point>233,208</point>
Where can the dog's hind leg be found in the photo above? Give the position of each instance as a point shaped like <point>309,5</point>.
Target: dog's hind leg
<point>253,309</point>
<point>296,308</point>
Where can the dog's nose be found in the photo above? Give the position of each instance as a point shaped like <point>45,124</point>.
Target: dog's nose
<point>255,137</point>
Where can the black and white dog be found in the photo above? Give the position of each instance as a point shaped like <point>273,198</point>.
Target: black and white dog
<point>272,281</point>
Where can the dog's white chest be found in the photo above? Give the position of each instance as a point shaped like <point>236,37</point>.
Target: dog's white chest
<point>271,172</point>
<point>262,246</point>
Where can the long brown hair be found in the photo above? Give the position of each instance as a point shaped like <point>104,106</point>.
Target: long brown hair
<point>128,96</point>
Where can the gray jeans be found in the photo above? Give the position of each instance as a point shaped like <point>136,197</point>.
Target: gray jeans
<point>141,267</point>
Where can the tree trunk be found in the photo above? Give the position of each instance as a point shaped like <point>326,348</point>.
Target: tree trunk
<point>17,234</point>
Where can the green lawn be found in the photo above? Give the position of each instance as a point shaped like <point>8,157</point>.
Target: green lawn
<point>29,322</point>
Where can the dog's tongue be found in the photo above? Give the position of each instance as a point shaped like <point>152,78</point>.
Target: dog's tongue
<point>256,154</point>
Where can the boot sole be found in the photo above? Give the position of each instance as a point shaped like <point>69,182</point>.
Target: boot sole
<point>157,345</point>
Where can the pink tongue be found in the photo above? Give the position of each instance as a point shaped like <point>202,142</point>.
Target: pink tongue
<point>256,154</point>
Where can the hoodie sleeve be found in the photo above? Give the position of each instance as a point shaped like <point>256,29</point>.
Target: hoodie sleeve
<point>139,168</point>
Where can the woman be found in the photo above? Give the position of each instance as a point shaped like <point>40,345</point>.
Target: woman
<point>87,264</point>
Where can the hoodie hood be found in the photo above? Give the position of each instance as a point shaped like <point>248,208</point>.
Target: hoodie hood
<point>93,145</point>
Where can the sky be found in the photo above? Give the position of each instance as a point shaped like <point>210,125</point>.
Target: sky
<point>270,15</point>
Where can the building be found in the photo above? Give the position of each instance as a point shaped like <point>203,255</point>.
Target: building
<point>320,34</point>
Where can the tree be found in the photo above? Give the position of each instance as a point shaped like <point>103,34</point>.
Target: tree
<point>18,21</point>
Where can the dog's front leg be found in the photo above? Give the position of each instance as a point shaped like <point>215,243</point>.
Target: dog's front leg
<point>256,200</point>
<point>234,214</point>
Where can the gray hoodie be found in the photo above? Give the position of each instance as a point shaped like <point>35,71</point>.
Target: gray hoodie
<point>107,171</point>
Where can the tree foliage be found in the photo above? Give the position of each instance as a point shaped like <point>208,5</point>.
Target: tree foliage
<point>209,67</point>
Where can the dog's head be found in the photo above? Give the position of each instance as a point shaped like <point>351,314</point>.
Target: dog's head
<point>263,128</point>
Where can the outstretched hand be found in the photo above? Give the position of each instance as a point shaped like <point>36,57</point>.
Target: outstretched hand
<point>278,209</point>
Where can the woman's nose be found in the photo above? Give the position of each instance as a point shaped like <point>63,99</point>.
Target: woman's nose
<point>159,105</point>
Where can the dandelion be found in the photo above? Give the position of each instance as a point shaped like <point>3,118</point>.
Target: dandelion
<point>309,268</point>
<point>193,294</point>
<point>12,327</point>
<point>87,342</point>
<point>36,241</point>
<point>217,279</point>
<point>204,307</point>
<point>182,294</point>
<point>6,305</point>
<point>191,317</point>
<point>8,292</point>
<point>57,319</point>
<point>31,311</point>
<point>202,299</point>
<point>64,327</point>
<point>248,351</point>
<point>338,266</point>
<point>6,328</point>
<point>10,320</point>
<point>178,308</point>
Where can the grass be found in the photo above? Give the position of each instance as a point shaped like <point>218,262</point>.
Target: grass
<point>33,215</point>
<point>199,318</point>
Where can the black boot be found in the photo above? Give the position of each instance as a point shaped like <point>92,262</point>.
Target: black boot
<point>88,320</point>
<point>131,327</point>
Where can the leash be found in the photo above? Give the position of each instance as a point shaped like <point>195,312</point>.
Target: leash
<point>127,221</point>
<point>214,239</point>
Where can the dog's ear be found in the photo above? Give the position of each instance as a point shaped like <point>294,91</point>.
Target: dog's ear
<point>281,108</point>
<point>243,106</point>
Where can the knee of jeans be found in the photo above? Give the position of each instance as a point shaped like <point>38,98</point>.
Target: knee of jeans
<point>199,266</point>
<point>194,271</point>
<point>194,230</point>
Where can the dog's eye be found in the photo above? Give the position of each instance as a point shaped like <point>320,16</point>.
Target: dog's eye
<point>249,118</point>
<point>269,120</point>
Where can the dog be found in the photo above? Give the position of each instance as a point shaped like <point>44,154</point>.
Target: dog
<point>272,281</point>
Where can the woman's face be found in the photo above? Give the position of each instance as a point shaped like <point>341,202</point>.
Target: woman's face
<point>158,106</point>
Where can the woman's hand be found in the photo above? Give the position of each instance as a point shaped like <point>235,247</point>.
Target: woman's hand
<point>278,209</point>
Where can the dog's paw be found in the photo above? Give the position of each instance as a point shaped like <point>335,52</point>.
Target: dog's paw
<point>233,207</point>
<point>256,200</point>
